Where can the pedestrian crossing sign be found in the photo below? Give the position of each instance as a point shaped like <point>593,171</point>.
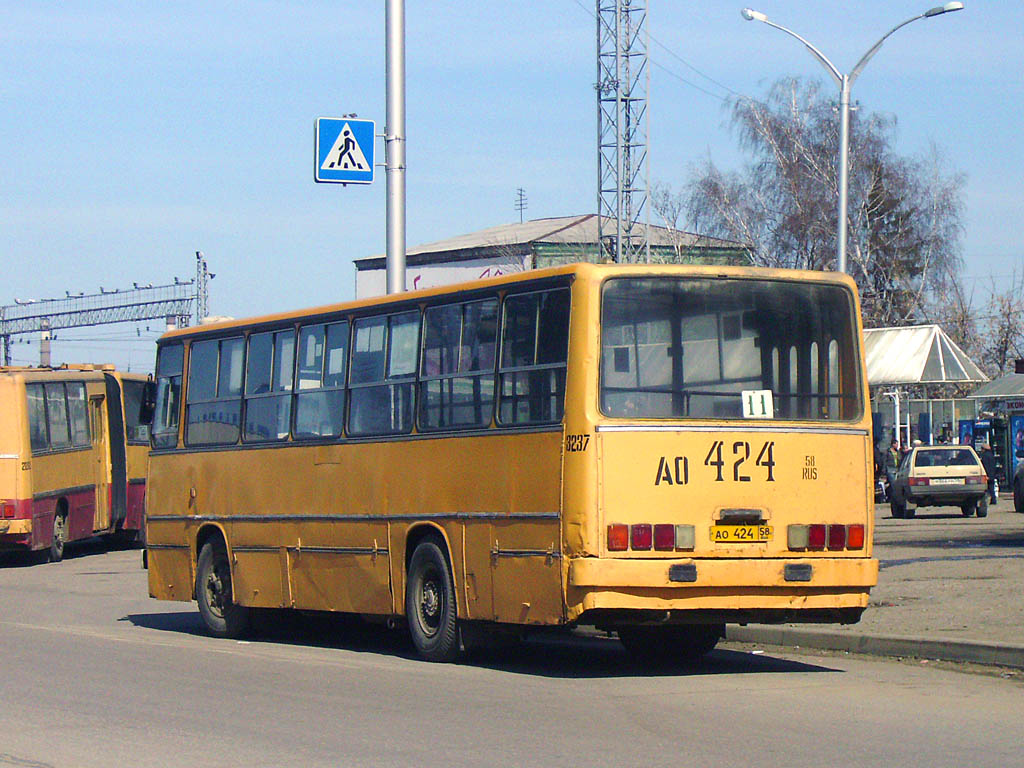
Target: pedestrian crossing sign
<point>344,150</point>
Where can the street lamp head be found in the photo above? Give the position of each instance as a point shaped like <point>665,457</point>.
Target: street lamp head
<point>751,15</point>
<point>941,9</point>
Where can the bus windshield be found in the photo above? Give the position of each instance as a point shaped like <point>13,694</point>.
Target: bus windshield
<point>717,348</point>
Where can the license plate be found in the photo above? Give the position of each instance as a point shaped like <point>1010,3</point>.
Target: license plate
<point>947,481</point>
<point>741,534</point>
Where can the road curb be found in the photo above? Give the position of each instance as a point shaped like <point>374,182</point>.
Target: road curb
<point>944,649</point>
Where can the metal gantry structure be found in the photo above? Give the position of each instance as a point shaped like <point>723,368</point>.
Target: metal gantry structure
<point>622,84</point>
<point>173,302</point>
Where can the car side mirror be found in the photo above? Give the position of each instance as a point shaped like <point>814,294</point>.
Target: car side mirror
<point>147,405</point>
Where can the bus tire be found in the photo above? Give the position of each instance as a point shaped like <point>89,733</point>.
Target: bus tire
<point>685,643</point>
<point>60,537</point>
<point>222,616</point>
<point>430,603</point>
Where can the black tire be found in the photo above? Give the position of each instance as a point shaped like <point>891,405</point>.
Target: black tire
<point>898,510</point>
<point>982,508</point>
<point>967,508</point>
<point>60,537</point>
<point>430,606</point>
<point>222,616</point>
<point>682,643</point>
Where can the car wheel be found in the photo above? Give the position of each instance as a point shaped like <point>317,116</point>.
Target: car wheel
<point>967,508</point>
<point>982,508</point>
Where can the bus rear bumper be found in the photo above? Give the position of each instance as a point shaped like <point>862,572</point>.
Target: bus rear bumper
<point>15,534</point>
<point>786,585</point>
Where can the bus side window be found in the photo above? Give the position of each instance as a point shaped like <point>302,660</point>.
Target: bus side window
<point>57,415</point>
<point>383,375</point>
<point>37,418</point>
<point>78,414</point>
<point>164,429</point>
<point>214,400</point>
<point>534,346</point>
<point>457,370</point>
<point>320,380</point>
<point>268,386</point>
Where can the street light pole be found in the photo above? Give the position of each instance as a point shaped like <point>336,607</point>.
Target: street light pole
<point>845,83</point>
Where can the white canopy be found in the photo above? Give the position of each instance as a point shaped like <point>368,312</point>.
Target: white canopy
<point>916,354</point>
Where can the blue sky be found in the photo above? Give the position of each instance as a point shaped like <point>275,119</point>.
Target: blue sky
<point>133,134</point>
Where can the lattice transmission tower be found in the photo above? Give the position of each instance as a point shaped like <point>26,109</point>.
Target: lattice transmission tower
<point>622,84</point>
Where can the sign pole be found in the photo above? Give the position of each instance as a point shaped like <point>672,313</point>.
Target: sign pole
<point>394,144</point>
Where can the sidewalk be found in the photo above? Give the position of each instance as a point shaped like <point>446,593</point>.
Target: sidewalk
<point>949,588</point>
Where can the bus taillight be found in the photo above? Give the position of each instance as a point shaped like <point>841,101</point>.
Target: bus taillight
<point>837,537</point>
<point>816,536</point>
<point>618,537</point>
<point>664,537</point>
<point>640,536</point>
<point>8,509</point>
<point>855,537</point>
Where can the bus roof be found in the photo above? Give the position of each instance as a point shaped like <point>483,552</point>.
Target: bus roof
<point>583,269</point>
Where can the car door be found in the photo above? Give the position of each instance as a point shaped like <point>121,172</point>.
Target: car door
<point>902,474</point>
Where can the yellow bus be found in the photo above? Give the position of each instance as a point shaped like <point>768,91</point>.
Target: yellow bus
<point>650,450</point>
<point>73,456</point>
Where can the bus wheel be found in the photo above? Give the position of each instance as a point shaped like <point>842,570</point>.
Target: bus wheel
<point>678,642</point>
<point>222,616</point>
<point>430,603</point>
<point>60,537</point>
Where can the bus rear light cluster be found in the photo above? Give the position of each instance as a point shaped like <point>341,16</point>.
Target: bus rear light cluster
<point>643,537</point>
<point>8,509</point>
<point>820,536</point>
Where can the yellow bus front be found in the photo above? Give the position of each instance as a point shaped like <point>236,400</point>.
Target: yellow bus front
<point>718,467</point>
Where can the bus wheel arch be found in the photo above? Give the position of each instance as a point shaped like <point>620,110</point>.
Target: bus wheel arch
<point>430,597</point>
<point>59,536</point>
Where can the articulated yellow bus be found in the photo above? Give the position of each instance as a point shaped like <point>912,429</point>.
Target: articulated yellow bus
<point>72,456</point>
<point>651,450</point>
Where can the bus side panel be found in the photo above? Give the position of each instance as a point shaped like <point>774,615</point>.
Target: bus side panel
<point>527,578</point>
<point>64,480</point>
<point>334,566</point>
<point>169,571</point>
<point>136,495</point>
<point>257,579</point>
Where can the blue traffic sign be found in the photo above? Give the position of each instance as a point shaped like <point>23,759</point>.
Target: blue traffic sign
<point>344,150</point>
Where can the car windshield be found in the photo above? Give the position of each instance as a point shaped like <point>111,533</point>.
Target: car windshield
<point>946,457</point>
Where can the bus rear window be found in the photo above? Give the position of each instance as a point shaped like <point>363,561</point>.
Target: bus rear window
<point>690,348</point>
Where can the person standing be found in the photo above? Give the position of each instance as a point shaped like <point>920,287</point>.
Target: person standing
<point>892,461</point>
<point>988,461</point>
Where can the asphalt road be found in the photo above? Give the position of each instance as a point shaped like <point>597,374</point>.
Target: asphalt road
<point>96,674</point>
